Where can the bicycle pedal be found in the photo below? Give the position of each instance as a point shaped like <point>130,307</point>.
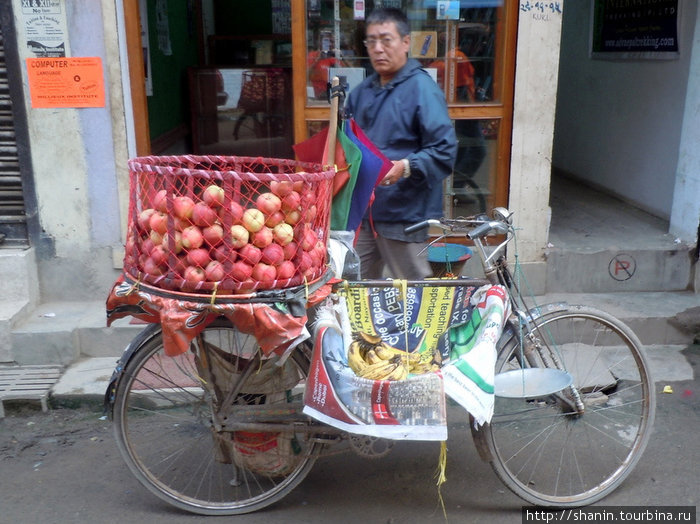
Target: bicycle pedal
<point>327,439</point>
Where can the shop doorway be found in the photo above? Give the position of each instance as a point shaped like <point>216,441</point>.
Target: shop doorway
<point>239,79</point>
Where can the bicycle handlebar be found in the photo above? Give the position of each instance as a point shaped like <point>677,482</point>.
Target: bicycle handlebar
<point>485,228</point>
<point>421,225</point>
<point>473,228</point>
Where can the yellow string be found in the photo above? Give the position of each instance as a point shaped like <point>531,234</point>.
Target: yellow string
<point>440,474</point>
<point>213,295</point>
<point>134,286</point>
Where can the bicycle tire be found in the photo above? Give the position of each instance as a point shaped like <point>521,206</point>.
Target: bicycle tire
<point>164,427</point>
<point>550,455</point>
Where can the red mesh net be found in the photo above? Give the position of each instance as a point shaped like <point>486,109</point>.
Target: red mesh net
<point>226,224</point>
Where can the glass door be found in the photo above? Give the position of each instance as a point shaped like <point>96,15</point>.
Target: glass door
<point>468,46</point>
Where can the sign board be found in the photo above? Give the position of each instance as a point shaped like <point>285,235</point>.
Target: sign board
<point>66,82</point>
<point>639,29</point>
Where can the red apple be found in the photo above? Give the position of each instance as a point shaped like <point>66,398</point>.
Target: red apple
<point>272,254</point>
<point>198,257</point>
<point>181,223</point>
<point>310,214</point>
<point>264,273</point>
<point>239,236</point>
<point>159,255</point>
<point>292,217</point>
<point>320,248</point>
<point>307,198</point>
<point>262,238</point>
<point>251,254</point>
<point>290,250</point>
<point>193,276</point>
<point>291,201</point>
<point>213,195</point>
<point>182,207</point>
<point>222,253</point>
<point>213,235</point>
<point>268,203</point>
<point>143,219</point>
<point>214,271</point>
<point>147,245</point>
<point>285,270</point>
<point>281,188</point>
<point>283,233</point>
<point>316,259</point>
<point>158,222</point>
<point>160,201</point>
<point>303,261</point>
<point>151,267</point>
<point>177,244</point>
<point>253,219</point>
<point>275,218</point>
<point>192,237</point>
<point>240,271</point>
<point>155,238</point>
<point>236,212</point>
<point>308,239</point>
<point>203,215</point>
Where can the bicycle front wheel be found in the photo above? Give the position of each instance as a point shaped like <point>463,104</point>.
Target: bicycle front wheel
<point>573,448</point>
<point>165,410</point>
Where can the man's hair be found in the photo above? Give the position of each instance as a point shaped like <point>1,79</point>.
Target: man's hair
<point>383,15</point>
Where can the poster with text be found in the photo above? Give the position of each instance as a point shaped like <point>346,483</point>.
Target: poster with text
<point>66,82</point>
<point>45,27</point>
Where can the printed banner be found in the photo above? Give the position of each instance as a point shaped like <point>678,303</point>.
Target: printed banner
<point>462,324</point>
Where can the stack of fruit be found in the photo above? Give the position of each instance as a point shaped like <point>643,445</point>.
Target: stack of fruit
<point>372,358</point>
<point>196,239</point>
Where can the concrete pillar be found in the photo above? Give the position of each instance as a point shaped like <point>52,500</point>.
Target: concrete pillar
<point>537,67</point>
<point>685,213</point>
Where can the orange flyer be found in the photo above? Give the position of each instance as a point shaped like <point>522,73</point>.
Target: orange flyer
<point>66,82</point>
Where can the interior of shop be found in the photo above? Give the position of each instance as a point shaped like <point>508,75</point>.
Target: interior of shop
<point>219,80</point>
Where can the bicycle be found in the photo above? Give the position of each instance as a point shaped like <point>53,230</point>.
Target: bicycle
<point>190,428</point>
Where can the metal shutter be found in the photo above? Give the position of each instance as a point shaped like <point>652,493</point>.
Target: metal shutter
<point>13,224</point>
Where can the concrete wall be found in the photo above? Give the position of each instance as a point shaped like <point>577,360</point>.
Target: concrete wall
<point>75,156</point>
<point>685,217</point>
<point>618,121</point>
<point>537,64</point>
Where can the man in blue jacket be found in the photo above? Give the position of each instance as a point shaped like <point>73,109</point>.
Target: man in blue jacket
<point>403,111</point>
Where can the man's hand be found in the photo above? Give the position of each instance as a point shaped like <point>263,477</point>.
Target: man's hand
<point>395,173</point>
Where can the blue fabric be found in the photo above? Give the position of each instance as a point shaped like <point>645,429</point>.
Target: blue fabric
<point>407,118</point>
<point>370,168</point>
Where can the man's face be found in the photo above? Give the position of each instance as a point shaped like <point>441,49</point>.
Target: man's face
<point>387,50</point>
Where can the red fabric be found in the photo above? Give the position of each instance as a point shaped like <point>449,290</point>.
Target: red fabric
<point>183,320</point>
<point>315,149</point>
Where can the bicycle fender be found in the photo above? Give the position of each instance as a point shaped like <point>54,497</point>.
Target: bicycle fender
<point>151,331</point>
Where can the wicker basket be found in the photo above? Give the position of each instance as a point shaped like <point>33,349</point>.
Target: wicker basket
<point>226,224</point>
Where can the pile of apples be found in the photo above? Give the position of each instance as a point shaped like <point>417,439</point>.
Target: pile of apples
<point>272,242</point>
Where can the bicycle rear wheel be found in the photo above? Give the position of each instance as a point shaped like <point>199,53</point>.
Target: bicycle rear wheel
<point>165,410</point>
<point>551,451</point>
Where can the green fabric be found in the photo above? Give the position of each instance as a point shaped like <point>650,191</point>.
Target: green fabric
<point>463,336</point>
<point>340,208</point>
<point>474,376</point>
